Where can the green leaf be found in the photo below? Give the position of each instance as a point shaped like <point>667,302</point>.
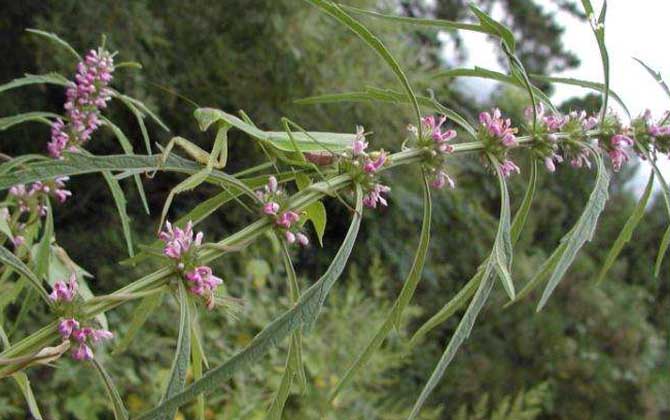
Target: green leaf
<point>118,408</point>
<point>304,313</point>
<point>493,27</point>
<point>482,73</point>
<point>502,247</point>
<point>295,359</point>
<point>43,117</point>
<point>627,231</point>
<point>24,384</point>
<point>462,332</point>
<point>580,233</point>
<point>182,356</point>
<point>280,139</point>
<point>141,314</point>
<point>197,360</point>
<point>316,214</point>
<point>372,94</point>
<point>128,149</point>
<point>33,79</point>
<point>43,253</point>
<point>376,44</point>
<point>139,116</point>
<point>599,32</point>
<point>11,260</point>
<point>56,39</point>
<point>466,292</point>
<point>144,109</point>
<point>441,24</point>
<point>280,397</point>
<point>405,296</point>
<point>120,202</point>
<point>581,83</point>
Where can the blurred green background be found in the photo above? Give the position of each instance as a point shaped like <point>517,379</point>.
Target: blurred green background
<point>593,352</point>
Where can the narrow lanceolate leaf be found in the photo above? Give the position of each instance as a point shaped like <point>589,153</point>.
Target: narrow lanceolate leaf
<point>144,109</point>
<point>466,292</point>
<point>482,73</point>
<point>598,27</point>
<point>502,247</point>
<point>24,384</point>
<point>43,253</point>
<point>38,116</point>
<point>373,42</point>
<point>462,332</point>
<point>582,232</point>
<point>128,149</point>
<point>118,408</point>
<point>57,40</point>
<point>9,259</point>
<point>78,163</point>
<point>628,229</point>
<point>581,83</point>
<point>142,312</point>
<point>491,26</point>
<point>373,94</point>
<point>280,139</point>
<point>197,361</point>
<point>441,24</point>
<point>401,302</point>
<point>182,356</point>
<point>120,202</point>
<point>302,314</point>
<point>35,79</point>
<point>279,399</point>
<point>656,75</point>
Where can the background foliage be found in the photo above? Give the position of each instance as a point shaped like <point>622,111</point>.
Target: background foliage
<point>593,352</point>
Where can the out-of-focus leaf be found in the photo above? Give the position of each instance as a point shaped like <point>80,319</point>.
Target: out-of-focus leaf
<point>43,117</point>
<point>11,260</point>
<point>57,40</point>
<point>34,79</point>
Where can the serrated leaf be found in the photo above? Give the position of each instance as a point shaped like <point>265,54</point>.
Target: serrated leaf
<point>177,378</point>
<point>56,39</point>
<point>460,335</point>
<point>373,42</point>
<point>627,232</point>
<point>11,260</point>
<point>141,314</point>
<point>303,314</point>
<point>42,117</point>
<point>120,412</point>
<point>279,139</point>
<point>34,79</point>
<point>405,296</point>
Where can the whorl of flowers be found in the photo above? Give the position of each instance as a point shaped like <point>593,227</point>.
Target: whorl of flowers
<point>182,245</point>
<point>363,168</point>
<point>437,141</point>
<point>69,328</point>
<point>287,221</point>
<point>615,139</point>
<point>85,98</point>
<point>498,136</point>
<point>653,135</point>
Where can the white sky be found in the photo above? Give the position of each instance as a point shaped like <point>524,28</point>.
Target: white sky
<point>633,28</point>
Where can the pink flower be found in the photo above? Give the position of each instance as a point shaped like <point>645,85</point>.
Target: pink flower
<point>179,241</point>
<point>204,282</point>
<point>64,292</point>
<point>375,196</point>
<point>82,352</point>
<point>373,166</point>
<point>441,180</point>
<point>287,219</point>
<point>18,240</point>
<point>271,187</point>
<point>433,128</point>
<point>618,154</point>
<point>101,335</point>
<point>359,144</point>
<point>290,237</point>
<point>549,161</point>
<point>67,326</point>
<point>271,208</point>
<point>508,168</point>
<point>302,239</point>
<point>498,127</point>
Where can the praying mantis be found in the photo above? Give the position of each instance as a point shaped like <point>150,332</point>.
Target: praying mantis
<point>217,158</point>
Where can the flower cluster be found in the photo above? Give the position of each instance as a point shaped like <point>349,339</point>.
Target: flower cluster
<point>498,136</point>
<point>651,134</point>
<point>363,168</point>
<point>31,201</point>
<point>615,140</point>
<point>182,245</point>
<point>437,141</point>
<point>64,293</point>
<point>85,98</point>
<point>69,329</point>
<point>274,199</point>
